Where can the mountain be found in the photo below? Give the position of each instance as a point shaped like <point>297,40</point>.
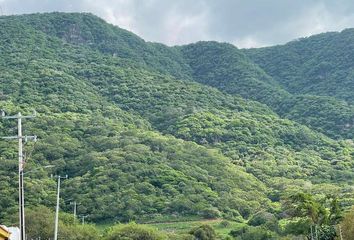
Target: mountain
<point>252,74</point>
<point>119,167</point>
<point>317,65</point>
<point>318,69</point>
<point>146,131</point>
<point>223,66</point>
<point>90,31</point>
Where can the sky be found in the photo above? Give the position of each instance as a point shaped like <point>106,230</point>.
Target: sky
<point>244,23</point>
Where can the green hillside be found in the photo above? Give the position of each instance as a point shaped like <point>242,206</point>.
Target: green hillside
<point>317,65</point>
<point>223,66</point>
<point>94,33</point>
<point>320,66</point>
<point>109,153</point>
<point>148,132</point>
<point>232,71</point>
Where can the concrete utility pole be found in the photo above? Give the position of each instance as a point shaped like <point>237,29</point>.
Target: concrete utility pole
<point>83,219</point>
<point>75,208</point>
<point>57,207</point>
<point>21,163</point>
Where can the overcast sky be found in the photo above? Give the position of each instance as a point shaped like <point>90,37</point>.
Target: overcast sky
<point>245,23</point>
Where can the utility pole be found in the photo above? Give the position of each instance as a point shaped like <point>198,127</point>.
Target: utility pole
<point>21,164</point>
<point>75,208</point>
<point>57,207</point>
<point>83,219</point>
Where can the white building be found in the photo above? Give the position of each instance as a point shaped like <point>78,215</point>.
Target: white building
<point>15,233</point>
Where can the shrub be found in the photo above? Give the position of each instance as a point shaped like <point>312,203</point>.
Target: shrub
<point>224,223</point>
<point>204,232</point>
<point>211,213</point>
<point>253,233</point>
<point>134,231</point>
<point>261,218</point>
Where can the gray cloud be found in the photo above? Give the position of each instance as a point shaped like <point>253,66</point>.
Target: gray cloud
<point>245,23</point>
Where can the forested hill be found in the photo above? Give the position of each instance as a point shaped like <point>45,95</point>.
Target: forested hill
<point>146,131</point>
<point>317,65</point>
<point>119,168</point>
<point>93,32</point>
<point>294,80</point>
<point>320,66</point>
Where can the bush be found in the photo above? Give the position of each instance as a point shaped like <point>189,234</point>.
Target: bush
<point>265,219</point>
<point>211,213</point>
<point>238,232</point>
<point>300,227</point>
<point>261,218</point>
<point>134,231</point>
<point>224,224</point>
<point>253,233</point>
<point>204,232</point>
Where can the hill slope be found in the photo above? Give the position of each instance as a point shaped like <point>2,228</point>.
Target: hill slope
<point>140,138</point>
<point>225,67</point>
<point>320,66</point>
<point>233,71</point>
<point>317,65</point>
<point>119,168</point>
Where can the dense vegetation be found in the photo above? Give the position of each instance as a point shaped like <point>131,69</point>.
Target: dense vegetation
<point>319,66</point>
<point>149,132</point>
<point>118,167</point>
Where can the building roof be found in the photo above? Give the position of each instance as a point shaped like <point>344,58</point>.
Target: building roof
<point>4,232</point>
